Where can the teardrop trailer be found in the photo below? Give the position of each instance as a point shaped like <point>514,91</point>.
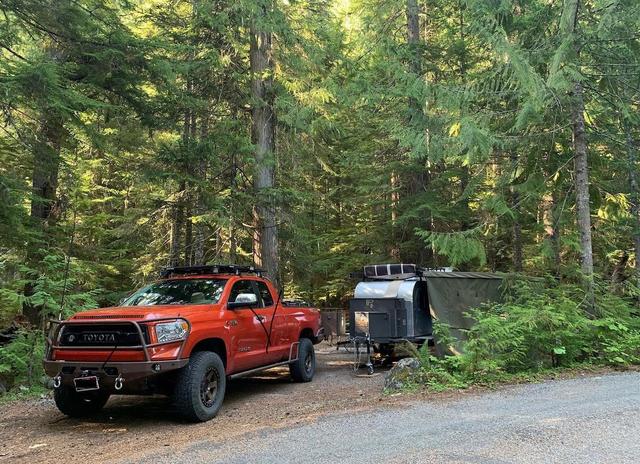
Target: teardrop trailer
<point>397,303</point>
<point>182,336</point>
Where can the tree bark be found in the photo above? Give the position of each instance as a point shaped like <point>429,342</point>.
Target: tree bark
<point>415,62</point>
<point>44,186</point>
<point>581,162</point>
<point>517,226</point>
<point>233,236</point>
<point>394,250</point>
<point>177,225</point>
<point>634,189</point>
<point>552,227</point>
<point>418,180</point>
<point>199,206</point>
<point>177,255</point>
<point>263,132</point>
<point>188,230</point>
<point>465,175</point>
<point>551,213</point>
<point>46,165</point>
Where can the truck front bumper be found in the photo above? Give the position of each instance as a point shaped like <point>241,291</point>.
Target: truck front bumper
<point>64,372</point>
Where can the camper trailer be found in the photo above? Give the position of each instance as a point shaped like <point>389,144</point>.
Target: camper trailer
<point>395,303</point>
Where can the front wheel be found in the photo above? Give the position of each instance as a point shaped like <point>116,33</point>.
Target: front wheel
<point>79,404</point>
<point>303,368</point>
<point>200,387</point>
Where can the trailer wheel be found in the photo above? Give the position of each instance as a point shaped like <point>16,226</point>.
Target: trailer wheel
<point>303,369</point>
<point>200,388</point>
<point>74,404</point>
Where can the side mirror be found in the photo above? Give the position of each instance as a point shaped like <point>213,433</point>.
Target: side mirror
<point>243,300</point>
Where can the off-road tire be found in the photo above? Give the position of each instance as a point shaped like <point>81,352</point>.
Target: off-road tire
<point>303,369</point>
<point>194,397</point>
<point>74,404</point>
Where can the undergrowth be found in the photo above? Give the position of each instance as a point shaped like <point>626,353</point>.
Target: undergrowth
<point>21,363</point>
<point>535,332</point>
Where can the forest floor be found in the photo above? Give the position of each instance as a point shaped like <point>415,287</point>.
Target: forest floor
<point>131,427</point>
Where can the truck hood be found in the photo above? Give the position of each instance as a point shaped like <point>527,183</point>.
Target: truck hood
<point>142,313</point>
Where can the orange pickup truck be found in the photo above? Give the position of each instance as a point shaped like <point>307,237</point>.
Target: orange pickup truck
<point>184,336</point>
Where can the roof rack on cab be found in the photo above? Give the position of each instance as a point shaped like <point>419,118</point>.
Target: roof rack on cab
<point>210,269</point>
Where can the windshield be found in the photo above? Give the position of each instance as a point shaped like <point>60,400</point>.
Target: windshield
<point>178,292</point>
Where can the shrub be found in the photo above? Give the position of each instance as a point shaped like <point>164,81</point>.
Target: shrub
<point>21,360</point>
<point>538,326</point>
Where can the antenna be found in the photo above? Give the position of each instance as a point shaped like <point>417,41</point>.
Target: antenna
<point>273,316</point>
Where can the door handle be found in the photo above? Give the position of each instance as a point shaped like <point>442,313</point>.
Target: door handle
<point>260,318</point>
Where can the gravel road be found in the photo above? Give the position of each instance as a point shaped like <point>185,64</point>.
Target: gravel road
<point>34,431</point>
<point>590,419</point>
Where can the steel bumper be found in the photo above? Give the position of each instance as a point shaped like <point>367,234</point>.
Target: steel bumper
<point>66,371</point>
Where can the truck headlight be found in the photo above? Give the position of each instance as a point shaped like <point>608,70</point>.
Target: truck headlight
<point>171,331</point>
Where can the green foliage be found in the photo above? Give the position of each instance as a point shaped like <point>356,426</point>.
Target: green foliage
<point>21,360</point>
<point>452,151</point>
<point>538,328</point>
<point>458,247</point>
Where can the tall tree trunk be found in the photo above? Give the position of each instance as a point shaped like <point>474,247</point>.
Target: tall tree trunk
<point>465,175</point>
<point>188,229</point>
<point>634,189</point>
<point>583,207</point>
<point>581,162</point>
<point>199,206</point>
<point>44,183</point>
<point>394,250</point>
<point>233,239</point>
<point>551,213</point>
<point>178,208</point>
<point>517,226</point>
<point>551,225</point>
<point>193,172</point>
<point>177,225</point>
<point>418,180</point>
<point>263,132</point>
<point>415,63</point>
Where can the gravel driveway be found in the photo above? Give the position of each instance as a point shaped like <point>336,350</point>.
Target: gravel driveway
<point>585,420</point>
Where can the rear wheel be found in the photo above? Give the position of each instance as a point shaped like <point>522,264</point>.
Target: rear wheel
<point>84,404</point>
<point>304,368</point>
<point>200,388</point>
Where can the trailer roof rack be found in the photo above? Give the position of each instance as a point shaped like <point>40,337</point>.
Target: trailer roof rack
<point>210,269</point>
<point>395,271</point>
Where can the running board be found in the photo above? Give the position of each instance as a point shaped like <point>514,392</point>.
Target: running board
<point>270,366</point>
<point>259,369</point>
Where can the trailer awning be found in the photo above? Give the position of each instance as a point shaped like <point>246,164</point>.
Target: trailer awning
<point>452,294</point>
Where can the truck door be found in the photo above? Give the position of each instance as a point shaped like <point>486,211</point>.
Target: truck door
<point>280,343</point>
<point>249,340</point>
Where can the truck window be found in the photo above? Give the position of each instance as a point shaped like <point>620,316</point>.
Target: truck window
<point>267,298</point>
<point>242,286</point>
<point>178,292</point>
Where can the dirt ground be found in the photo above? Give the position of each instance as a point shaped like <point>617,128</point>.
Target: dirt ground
<point>130,427</point>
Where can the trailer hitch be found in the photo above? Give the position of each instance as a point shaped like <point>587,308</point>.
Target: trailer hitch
<point>357,342</point>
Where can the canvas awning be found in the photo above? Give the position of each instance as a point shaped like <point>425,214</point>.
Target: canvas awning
<point>452,294</point>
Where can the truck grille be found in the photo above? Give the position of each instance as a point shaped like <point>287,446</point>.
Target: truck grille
<point>102,335</point>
